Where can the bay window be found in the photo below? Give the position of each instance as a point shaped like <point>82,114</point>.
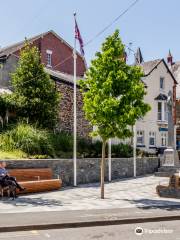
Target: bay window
<point>162,111</point>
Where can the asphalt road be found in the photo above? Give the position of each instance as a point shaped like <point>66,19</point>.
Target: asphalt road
<point>153,231</point>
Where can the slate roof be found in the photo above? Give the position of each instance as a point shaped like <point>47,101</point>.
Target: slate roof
<point>15,47</point>
<point>6,51</point>
<point>62,76</point>
<point>150,65</point>
<point>161,97</point>
<point>175,67</point>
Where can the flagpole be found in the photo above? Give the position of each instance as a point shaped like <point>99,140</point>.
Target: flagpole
<point>75,117</point>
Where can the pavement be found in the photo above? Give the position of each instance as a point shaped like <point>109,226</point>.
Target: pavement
<point>125,193</point>
<point>126,201</point>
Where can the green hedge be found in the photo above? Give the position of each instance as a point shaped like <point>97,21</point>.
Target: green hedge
<point>40,143</point>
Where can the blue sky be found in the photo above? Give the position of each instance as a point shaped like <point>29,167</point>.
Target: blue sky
<point>152,25</point>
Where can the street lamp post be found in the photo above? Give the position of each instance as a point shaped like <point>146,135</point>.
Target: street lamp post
<point>134,149</point>
<point>109,159</point>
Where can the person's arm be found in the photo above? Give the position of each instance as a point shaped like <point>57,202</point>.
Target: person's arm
<point>3,172</point>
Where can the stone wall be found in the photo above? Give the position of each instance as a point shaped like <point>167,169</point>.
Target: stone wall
<point>7,68</point>
<point>66,110</point>
<point>88,170</point>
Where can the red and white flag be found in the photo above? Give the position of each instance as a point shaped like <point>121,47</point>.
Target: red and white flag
<point>79,38</point>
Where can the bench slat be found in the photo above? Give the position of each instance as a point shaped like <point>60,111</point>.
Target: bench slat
<point>41,186</point>
<point>31,174</point>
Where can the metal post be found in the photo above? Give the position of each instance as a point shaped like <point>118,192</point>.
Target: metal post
<point>134,149</point>
<point>75,117</point>
<point>175,129</point>
<point>109,159</point>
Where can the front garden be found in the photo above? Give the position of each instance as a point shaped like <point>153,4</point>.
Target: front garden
<point>29,117</point>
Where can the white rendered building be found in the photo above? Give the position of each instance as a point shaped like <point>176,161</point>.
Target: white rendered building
<point>152,130</point>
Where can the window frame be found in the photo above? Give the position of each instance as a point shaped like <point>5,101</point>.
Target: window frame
<point>163,113</point>
<point>161,78</point>
<point>164,139</point>
<point>158,112</point>
<point>140,134</point>
<point>48,58</point>
<point>152,135</point>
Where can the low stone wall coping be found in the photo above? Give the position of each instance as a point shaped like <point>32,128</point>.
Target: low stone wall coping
<point>88,169</point>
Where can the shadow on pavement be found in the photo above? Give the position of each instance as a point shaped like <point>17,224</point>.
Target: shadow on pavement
<point>97,184</point>
<point>35,202</point>
<point>155,204</point>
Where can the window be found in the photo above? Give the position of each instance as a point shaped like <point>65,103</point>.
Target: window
<point>49,58</point>
<point>161,83</point>
<point>163,139</point>
<point>152,139</point>
<point>165,111</point>
<point>140,137</point>
<point>160,111</point>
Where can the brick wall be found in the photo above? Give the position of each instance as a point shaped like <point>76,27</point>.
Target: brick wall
<point>60,52</point>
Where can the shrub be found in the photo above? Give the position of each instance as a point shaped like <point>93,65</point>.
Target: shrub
<point>93,149</point>
<point>61,141</point>
<point>122,150</point>
<point>38,143</point>
<point>27,139</point>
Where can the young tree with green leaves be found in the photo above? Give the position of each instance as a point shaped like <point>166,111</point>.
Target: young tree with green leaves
<point>113,95</point>
<point>34,92</point>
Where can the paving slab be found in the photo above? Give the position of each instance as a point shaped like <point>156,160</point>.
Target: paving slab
<point>125,193</point>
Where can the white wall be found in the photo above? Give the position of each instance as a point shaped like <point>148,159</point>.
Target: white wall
<point>150,121</point>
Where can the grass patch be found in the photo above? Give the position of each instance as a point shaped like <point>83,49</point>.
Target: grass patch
<point>16,154</point>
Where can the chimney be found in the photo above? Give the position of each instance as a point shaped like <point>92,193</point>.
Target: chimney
<point>170,58</point>
<point>138,57</point>
<point>125,56</point>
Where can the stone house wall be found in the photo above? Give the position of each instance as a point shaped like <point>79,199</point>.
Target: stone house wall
<point>66,116</point>
<point>6,69</point>
<point>88,170</point>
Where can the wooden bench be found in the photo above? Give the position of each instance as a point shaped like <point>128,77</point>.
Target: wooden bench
<point>36,179</point>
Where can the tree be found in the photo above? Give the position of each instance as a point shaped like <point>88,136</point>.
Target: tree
<point>34,92</point>
<point>113,95</point>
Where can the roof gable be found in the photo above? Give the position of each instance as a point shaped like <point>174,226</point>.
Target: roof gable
<point>6,51</point>
<point>149,67</point>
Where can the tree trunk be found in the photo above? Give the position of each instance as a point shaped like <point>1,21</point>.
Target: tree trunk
<point>102,168</point>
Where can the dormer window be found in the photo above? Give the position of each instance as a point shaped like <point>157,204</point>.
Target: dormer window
<point>161,83</point>
<point>49,58</point>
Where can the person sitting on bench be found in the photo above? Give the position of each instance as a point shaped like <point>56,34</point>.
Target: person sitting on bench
<point>4,175</point>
